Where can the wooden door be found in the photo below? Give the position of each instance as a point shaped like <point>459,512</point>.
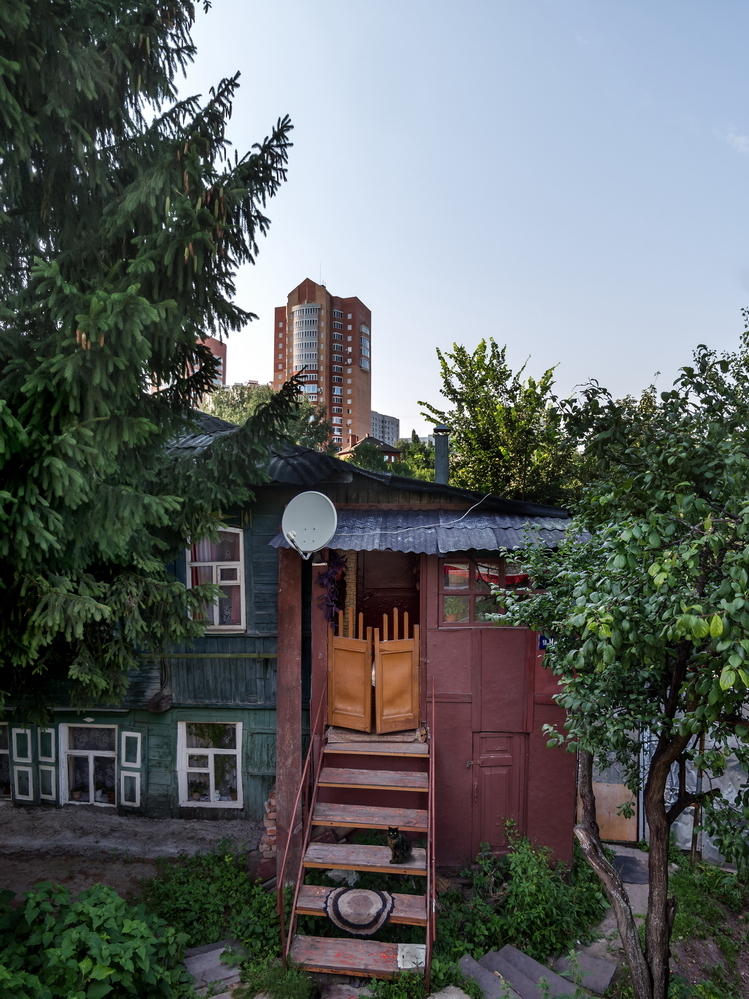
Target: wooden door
<point>350,676</point>
<point>498,787</point>
<point>396,665</point>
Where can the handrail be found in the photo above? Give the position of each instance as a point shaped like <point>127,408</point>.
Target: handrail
<point>290,832</point>
<point>431,887</point>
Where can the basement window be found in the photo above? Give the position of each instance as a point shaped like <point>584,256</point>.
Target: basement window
<point>208,770</point>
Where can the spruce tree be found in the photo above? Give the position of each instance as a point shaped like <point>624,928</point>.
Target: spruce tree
<point>123,220</point>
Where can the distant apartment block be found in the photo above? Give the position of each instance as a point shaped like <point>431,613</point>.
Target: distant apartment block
<point>385,428</point>
<point>328,339</point>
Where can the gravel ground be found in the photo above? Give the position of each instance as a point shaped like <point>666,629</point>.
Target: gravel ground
<point>95,832</point>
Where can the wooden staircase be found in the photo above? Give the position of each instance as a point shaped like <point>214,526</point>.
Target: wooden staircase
<point>365,785</point>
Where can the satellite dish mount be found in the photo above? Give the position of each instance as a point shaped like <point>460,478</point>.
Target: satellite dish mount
<point>309,522</point>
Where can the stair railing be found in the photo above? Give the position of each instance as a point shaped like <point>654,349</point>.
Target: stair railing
<point>431,886</point>
<point>306,800</point>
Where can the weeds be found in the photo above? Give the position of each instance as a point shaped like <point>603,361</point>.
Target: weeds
<point>268,977</point>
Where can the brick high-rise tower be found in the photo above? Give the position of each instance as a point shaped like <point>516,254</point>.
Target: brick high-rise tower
<point>331,338</point>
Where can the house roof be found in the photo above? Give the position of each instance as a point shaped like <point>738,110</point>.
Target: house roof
<point>488,522</point>
<point>438,532</point>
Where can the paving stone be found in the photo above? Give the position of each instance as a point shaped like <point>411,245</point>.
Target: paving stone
<point>490,985</point>
<point>451,992</point>
<point>535,971</point>
<point>596,973</point>
<point>523,985</point>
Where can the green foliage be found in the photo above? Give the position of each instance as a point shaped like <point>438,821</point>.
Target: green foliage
<point>522,899</point>
<point>268,977</point>
<point>208,896</point>
<point>93,947</point>
<point>704,893</point>
<point>416,458</point>
<point>509,436</point>
<point>409,985</point>
<point>122,224</point>
<point>307,424</point>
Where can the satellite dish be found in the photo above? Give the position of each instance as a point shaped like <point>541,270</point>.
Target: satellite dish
<point>309,522</point>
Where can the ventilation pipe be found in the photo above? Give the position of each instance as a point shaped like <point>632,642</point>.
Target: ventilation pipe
<point>441,454</point>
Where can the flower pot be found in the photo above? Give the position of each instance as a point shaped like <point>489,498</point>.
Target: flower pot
<point>76,795</point>
<point>233,795</point>
<point>195,795</point>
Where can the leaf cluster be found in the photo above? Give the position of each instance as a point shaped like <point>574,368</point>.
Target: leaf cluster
<point>90,948</point>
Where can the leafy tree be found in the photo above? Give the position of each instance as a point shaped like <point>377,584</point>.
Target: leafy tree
<point>368,456</point>
<point>508,435</point>
<point>650,616</point>
<point>307,423</point>
<point>122,224</point>
<point>416,458</point>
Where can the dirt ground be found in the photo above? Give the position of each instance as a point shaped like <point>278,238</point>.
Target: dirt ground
<point>83,845</point>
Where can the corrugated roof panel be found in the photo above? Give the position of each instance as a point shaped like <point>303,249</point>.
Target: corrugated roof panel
<point>438,532</point>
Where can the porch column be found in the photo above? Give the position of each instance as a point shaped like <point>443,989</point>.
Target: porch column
<point>320,627</point>
<point>288,706</point>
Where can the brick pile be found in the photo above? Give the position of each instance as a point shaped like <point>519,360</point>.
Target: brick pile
<point>268,842</point>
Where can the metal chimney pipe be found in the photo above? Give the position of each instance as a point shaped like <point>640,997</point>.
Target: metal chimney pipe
<point>441,454</point>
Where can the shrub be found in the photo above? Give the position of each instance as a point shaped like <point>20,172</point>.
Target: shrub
<point>208,896</point>
<point>93,947</point>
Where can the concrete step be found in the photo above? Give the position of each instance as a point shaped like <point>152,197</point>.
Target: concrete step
<point>525,987</point>
<point>492,986</point>
<point>205,965</point>
<point>595,973</point>
<point>534,970</point>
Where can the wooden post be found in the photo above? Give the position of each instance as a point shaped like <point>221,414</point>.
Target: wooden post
<point>288,707</point>
<point>319,680</point>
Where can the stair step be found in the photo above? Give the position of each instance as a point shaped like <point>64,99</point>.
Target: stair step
<point>535,970</point>
<point>369,817</point>
<point>410,909</point>
<point>351,857</point>
<point>492,986</point>
<point>390,780</point>
<point>379,748</point>
<point>525,987</point>
<point>596,972</point>
<point>363,958</point>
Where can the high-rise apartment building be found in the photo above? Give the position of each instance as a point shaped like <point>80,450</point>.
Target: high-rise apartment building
<point>386,428</point>
<point>330,338</point>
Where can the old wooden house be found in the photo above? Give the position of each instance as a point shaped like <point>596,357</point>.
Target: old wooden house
<point>208,729</point>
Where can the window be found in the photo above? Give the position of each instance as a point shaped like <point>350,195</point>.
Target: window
<point>338,379</point>
<point>364,329</point>
<point>338,357</point>
<point>465,591</point>
<point>338,419</point>
<point>4,762</point>
<point>349,316</point>
<point>338,336</point>
<point>337,314</point>
<point>221,562</point>
<point>338,440</point>
<point>280,325</point>
<point>337,409</point>
<point>208,764</point>
<point>337,326</point>
<point>337,390</point>
<point>90,758</point>
<point>364,363</point>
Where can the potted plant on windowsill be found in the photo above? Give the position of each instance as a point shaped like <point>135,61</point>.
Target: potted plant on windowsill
<point>196,790</point>
<point>76,793</point>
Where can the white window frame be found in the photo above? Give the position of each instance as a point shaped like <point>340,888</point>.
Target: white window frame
<point>6,752</point>
<point>51,733</point>
<point>52,778</point>
<point>17,794</point>
<point>217,566</point>
<point>135,775</point>
<point>65,753</point>
<point>21,731</point>
<point>125,734</point>
<point>183,772</point>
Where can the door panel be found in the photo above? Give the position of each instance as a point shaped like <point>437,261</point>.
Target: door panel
<point>350,677</point>
<point>498,787</point>
<point>397,683</point>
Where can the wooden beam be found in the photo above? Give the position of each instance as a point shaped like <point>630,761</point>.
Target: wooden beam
<point>288,706</point>
<point>319,680</point>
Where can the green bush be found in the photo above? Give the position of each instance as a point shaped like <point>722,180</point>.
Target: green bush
<point>91,948</point>
<point>208,897</point>
<point>522,899</point>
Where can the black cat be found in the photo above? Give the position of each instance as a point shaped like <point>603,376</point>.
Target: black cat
<point>400,846</point>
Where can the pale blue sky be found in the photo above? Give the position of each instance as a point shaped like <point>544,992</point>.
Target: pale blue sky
<point>570,177</point>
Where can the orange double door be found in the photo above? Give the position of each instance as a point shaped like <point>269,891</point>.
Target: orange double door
<point>373,675</point>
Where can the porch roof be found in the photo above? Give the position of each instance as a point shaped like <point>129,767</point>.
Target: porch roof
<point>438,532</point>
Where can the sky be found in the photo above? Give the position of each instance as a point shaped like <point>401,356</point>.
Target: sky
<point>569,177</point>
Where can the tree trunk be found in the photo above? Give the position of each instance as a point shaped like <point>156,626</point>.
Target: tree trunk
<point>661,909</point>
<point>588,838</point>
